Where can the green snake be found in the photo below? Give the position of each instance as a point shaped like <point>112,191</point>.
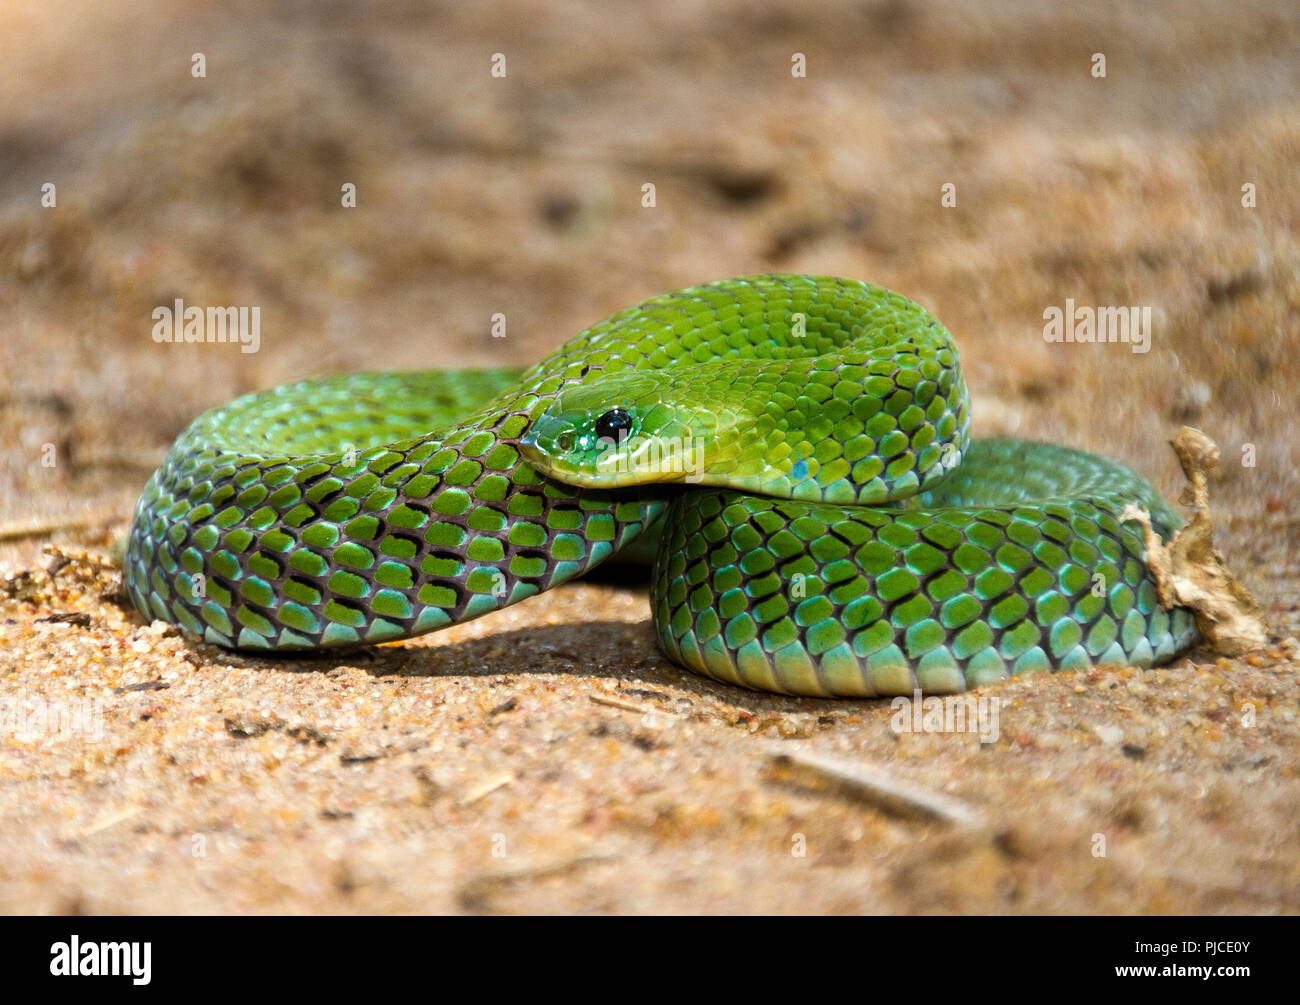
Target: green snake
<point>794,450</point>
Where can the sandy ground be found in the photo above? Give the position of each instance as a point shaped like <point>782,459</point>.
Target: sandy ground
<point>547,758</point>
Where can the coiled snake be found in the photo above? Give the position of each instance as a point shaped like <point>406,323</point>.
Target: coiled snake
<point>798,444</point>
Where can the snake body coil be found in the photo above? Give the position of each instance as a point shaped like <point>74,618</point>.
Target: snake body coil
<point>798,443</point>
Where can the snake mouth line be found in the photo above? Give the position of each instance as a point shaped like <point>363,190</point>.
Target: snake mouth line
<point>605,462</point>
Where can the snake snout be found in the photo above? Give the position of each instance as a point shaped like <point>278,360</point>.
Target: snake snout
<point>548,440</point>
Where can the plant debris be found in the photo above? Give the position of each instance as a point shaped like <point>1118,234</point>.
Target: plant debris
<point>1189,571</point>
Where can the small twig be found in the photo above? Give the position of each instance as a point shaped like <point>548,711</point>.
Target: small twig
<point>475,890</point>
<point>487,788</point>
<point>157,684</point>
<point>875,787</point>
<point>107,821</point>
<point>78,618</point>
<point>44,526</point>
<point>631,706</point>
<point>144,459</point>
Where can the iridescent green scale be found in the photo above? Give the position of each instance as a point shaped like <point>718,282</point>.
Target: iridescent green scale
<point>882,551</point>
<point>295,520</point>
<point>944,592</point>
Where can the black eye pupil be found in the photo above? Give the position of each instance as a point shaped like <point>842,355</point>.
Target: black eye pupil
<point>612,424</point>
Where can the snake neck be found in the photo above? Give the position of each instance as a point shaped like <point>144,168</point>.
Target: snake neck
<point>853,395</point>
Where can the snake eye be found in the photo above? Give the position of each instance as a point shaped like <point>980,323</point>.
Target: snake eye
<point>613,424</point>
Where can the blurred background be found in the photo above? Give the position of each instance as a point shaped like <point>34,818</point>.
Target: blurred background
<point>522,195</point>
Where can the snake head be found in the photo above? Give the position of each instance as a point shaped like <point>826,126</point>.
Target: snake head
<point>617,431</point>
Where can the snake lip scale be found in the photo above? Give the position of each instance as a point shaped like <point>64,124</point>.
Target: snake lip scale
<point>792,450</point>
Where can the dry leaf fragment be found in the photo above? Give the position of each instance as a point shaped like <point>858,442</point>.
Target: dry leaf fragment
<point>1189,571</point>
